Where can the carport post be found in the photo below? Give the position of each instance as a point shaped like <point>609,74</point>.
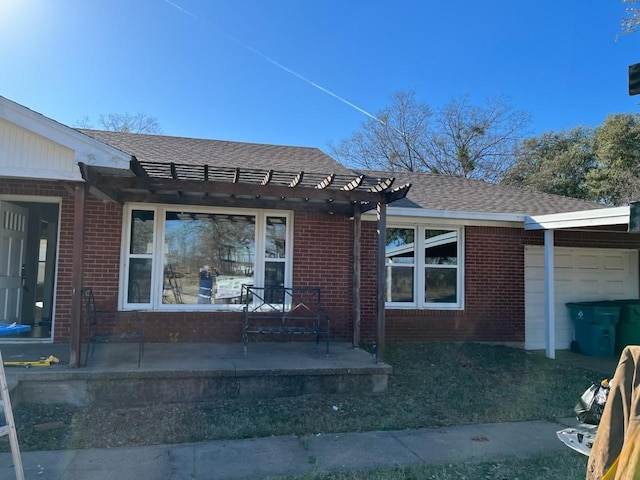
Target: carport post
<point>549,280</point>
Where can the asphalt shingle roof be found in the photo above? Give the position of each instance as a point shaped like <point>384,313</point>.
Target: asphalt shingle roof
<point>444,192</point>
<point>428,191</point>
<point>219,153</point>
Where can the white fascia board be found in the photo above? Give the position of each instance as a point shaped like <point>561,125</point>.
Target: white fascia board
<point>583,218</point>
<point>30,174</point>
<point>460,217</point>
<point>86,149</point>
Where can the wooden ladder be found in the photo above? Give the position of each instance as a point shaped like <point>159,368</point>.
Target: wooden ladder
<point>10,427</point>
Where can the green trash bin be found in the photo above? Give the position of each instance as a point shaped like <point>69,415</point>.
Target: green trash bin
<point>595,327</point>
<point>628,328</point>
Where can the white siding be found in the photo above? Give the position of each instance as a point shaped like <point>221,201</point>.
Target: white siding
<point>25,154</point>
<point>581,274</point>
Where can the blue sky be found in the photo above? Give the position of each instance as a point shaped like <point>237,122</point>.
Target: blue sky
<point>195,68</point>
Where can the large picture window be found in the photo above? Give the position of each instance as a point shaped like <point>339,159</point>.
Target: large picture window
<point>200,258</point>
<point>423,267</point>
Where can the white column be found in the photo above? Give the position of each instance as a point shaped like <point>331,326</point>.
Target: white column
<point>549,277</point>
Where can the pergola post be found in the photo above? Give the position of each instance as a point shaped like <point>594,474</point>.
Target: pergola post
<point>381,214</point>
<point>357,262</point>
<point>76,275</point>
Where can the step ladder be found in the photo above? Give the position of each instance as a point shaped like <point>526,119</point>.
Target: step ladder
<point>10,427</point>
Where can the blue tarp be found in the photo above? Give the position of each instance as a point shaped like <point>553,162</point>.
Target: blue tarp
<point>9,328</point>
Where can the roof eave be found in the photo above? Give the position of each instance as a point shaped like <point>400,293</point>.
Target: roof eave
<point>86,149</point>
<point>579,219</point>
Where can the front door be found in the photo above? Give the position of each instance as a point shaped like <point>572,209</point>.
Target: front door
<point>13,239</point>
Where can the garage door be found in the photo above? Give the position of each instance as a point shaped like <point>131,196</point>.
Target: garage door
<point>581,274</point>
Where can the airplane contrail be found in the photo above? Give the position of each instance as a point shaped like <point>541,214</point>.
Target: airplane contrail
<point>279,65</point>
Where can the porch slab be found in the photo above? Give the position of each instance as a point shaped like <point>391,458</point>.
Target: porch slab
<point>191,372</point>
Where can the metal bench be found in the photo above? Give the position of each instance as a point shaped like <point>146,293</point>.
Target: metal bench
<point>111,326</point>
<point>284,311</point>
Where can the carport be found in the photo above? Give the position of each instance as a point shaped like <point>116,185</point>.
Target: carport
<point>625,219</point>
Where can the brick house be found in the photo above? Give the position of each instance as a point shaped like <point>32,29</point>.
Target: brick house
<point>137,216</point>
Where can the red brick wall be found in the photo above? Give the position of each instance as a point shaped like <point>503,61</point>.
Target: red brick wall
<point>494,286</point>
<point>323,257</point>
<point>494,295</point>
<point>320,260</point>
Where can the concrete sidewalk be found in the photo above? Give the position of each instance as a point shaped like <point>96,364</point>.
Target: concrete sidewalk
<point>277,456</point>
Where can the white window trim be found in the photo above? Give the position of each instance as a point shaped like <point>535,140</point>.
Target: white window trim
<point>419,267</point>
<point>157,267</point>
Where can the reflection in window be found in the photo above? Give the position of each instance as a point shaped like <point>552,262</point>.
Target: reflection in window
<point>275,254</point>
<point>139,280</point>
<point>440,252</point>
<point>400,262</point>
<point>207,257</point>
<point>435,253</point>
<point>140,256</point>
<point>141,232</point>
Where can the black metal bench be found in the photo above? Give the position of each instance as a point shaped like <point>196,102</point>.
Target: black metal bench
<point>124,326</point>
<point>284,311</point>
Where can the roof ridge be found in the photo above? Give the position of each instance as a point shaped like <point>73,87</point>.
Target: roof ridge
<point>180,137</point>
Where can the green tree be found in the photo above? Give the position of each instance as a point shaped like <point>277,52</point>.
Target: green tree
<point>461,139</point>
<point>556,163</point>
<point>616,144</point>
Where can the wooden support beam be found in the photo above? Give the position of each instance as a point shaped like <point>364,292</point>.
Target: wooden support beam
<point>75,336</point>
<point>383,185</point>
<point>297,179</point>
<point>381,211</point>
<point>267,178</point>
<point>357,264</point>
<point>326,182</point>
<point>353,184</point>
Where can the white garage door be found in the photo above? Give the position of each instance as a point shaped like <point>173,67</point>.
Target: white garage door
<point>581,274</point>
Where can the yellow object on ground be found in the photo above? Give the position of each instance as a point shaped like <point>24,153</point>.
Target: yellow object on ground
<point>35,363</point>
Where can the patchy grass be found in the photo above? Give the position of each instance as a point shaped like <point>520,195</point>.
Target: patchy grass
<point>432,385</point>
<point>561,466</point>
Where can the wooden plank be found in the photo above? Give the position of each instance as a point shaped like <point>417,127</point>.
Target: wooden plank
<point>8,415</point>
<point>296,180</point>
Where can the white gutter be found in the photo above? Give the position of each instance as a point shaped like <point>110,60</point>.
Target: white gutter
<point>583,218</point>
<point>452,215</point>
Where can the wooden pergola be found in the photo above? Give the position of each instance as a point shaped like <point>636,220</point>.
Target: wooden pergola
<point>187,184</point>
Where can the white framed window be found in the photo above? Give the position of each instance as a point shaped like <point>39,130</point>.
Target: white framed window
<point>178,257</point>
<point>424,267</point>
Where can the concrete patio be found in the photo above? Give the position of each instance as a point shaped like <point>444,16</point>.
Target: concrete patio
<point>190,372</point>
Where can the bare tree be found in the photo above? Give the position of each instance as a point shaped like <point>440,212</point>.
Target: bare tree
<point>477,141</point>
<point>124,122</point>
<point>461,139</point>
<point>631,23</point>
<point>394,140</point>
